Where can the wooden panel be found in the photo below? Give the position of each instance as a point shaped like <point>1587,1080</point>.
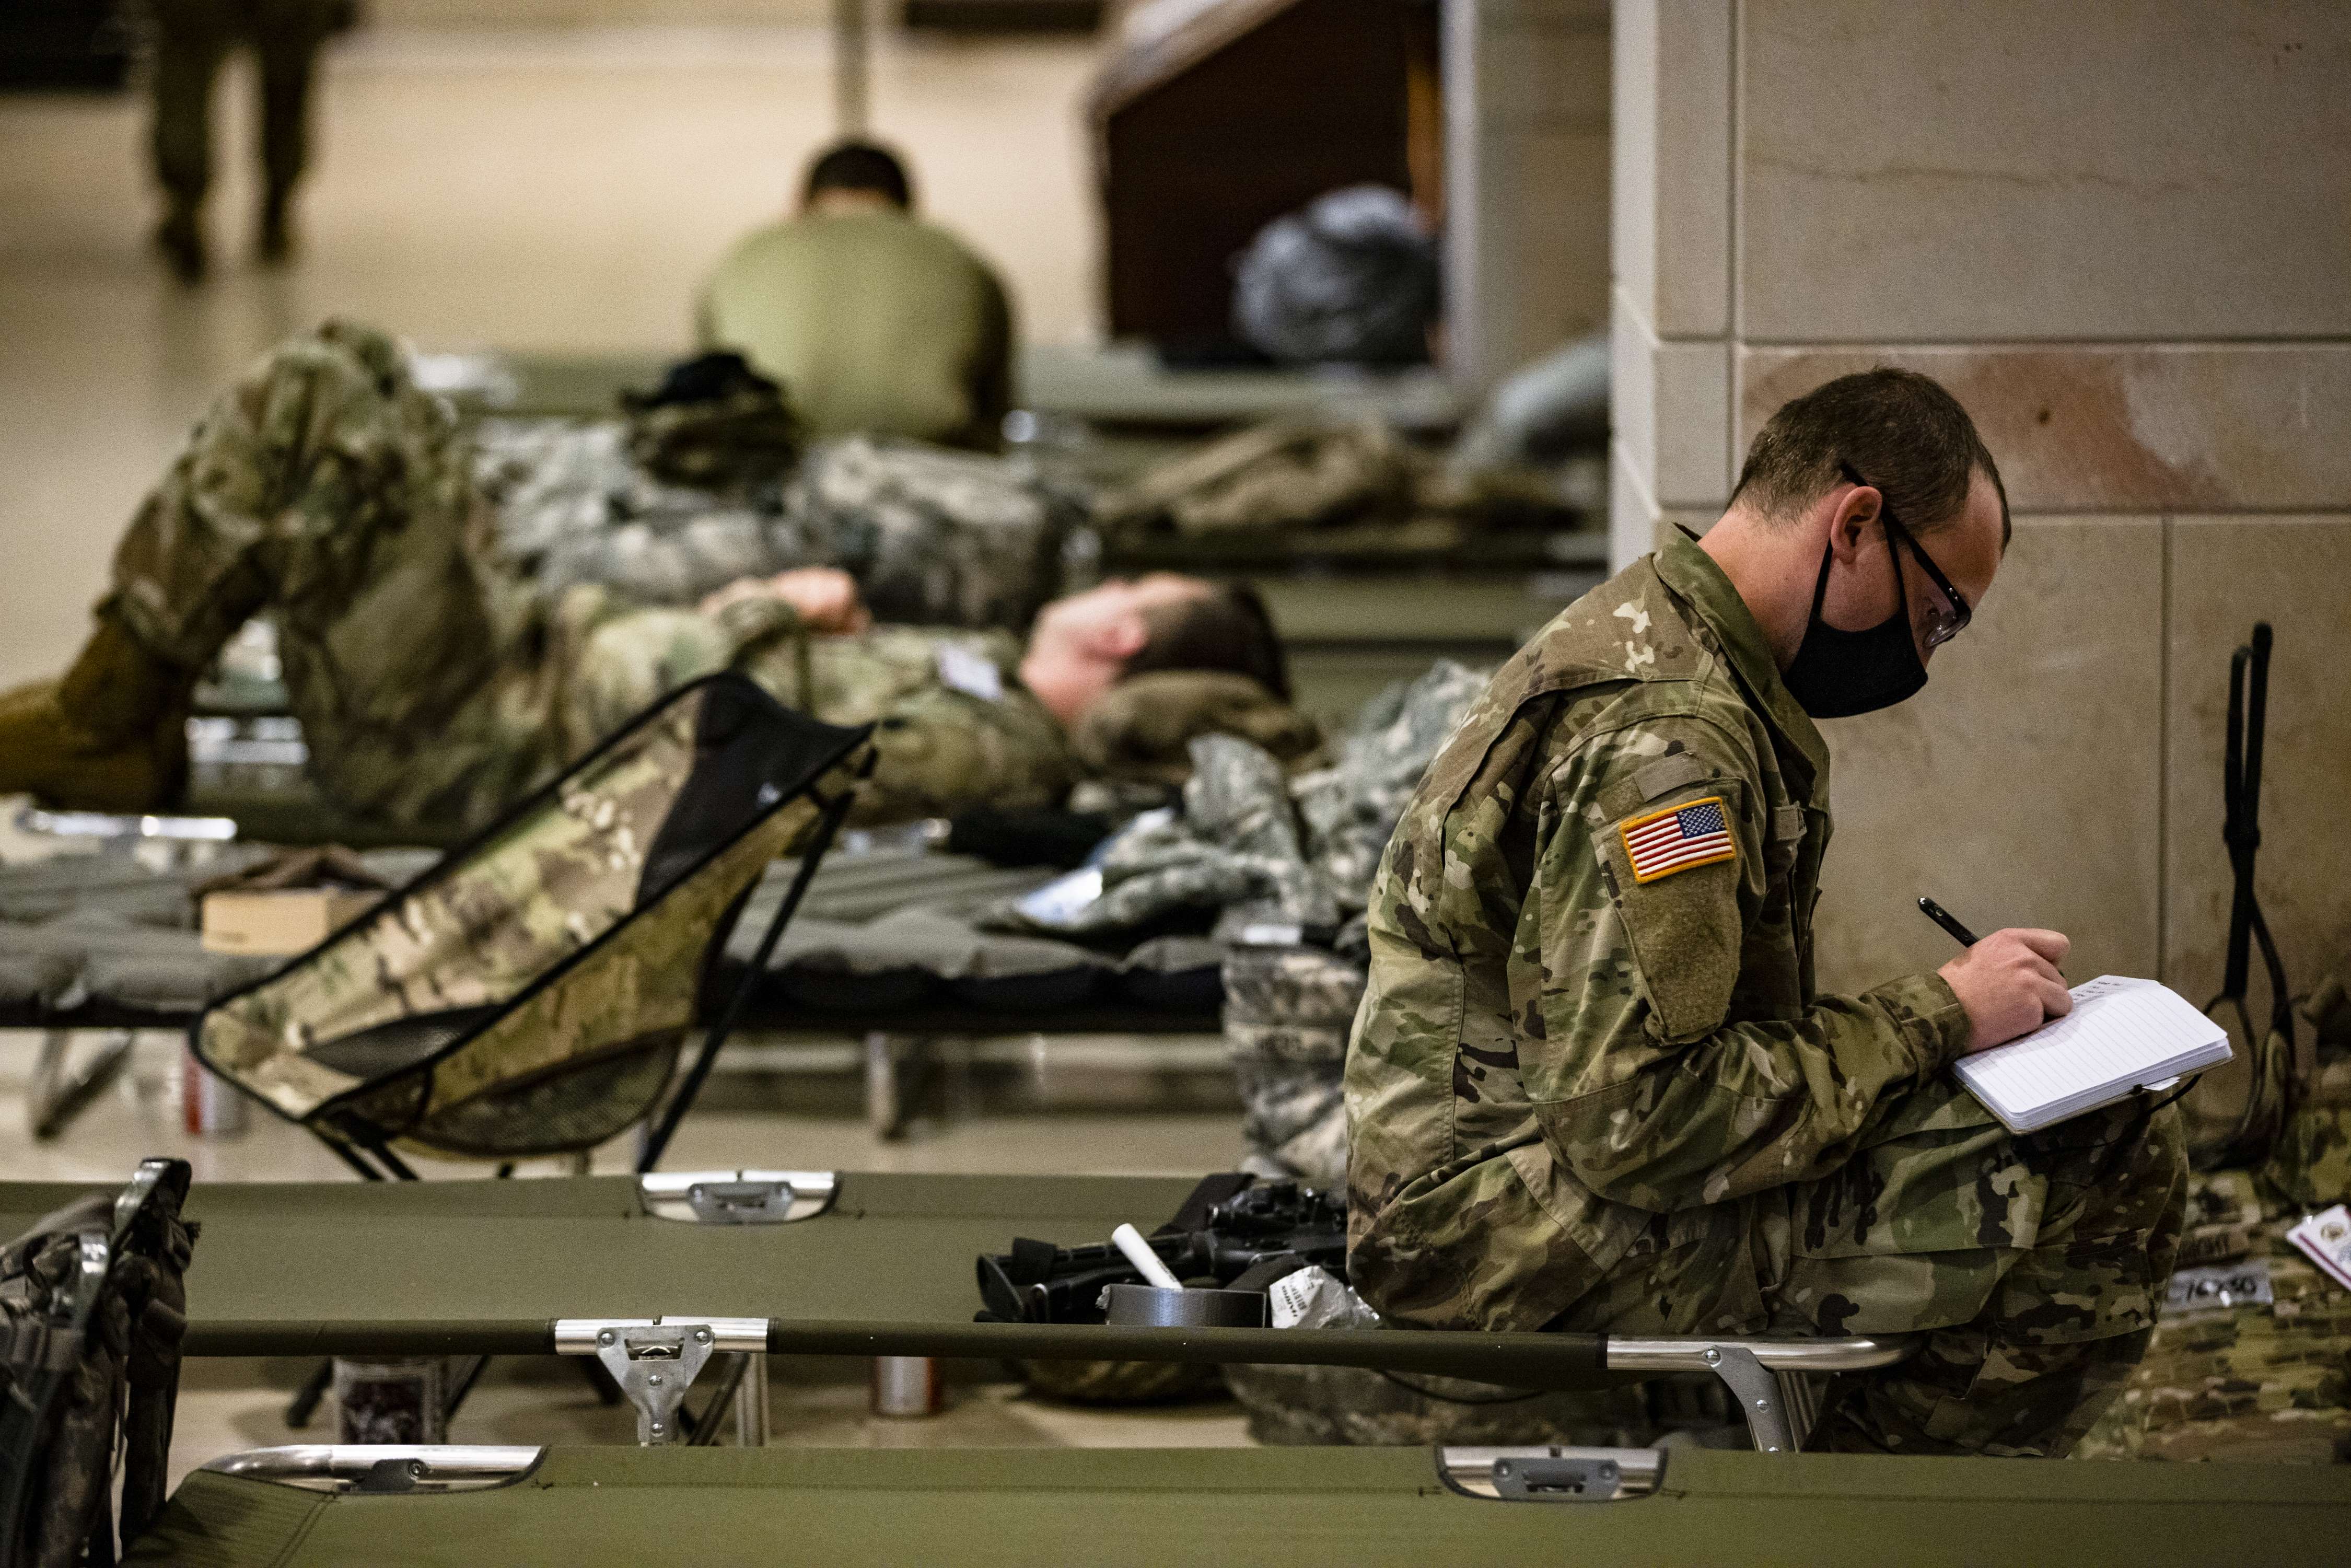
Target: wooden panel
<point>1309,102</point>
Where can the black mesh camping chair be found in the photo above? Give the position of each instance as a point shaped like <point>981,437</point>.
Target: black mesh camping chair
<point>530,994</point>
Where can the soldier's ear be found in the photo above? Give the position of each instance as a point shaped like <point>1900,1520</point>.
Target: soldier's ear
<point>1852,509</point>
<point>1123,636</point>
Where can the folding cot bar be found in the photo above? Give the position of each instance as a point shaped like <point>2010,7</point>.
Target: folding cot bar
<point>783,1262</point>
<point>859,1264</point>
<point>1368,1508</point>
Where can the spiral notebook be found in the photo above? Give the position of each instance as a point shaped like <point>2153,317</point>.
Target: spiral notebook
<point>2123,1035</point>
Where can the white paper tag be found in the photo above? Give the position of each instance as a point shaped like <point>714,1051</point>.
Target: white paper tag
<point>1061,901</point>
<point>2325,1238</point>
<point>1315,1298</point>
<point>972,674</point>
<point>2219,1286</point>
<point>1291,1295</point>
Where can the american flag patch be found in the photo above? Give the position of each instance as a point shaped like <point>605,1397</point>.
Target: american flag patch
<point>1677,838</point>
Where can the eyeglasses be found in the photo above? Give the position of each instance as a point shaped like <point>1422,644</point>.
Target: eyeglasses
<point>1943,621</point>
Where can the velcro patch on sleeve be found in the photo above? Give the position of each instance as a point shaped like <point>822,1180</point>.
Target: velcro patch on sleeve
<point>1679,838</point>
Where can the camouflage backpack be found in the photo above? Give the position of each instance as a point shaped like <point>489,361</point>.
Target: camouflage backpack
<point>1304,473</point>
<point>1288,1011</point>
<point>2310,1165</point>
<point>714,423</point>
<point>934,538</point>
<point>2251,1355</point>
<point>92,1309</point>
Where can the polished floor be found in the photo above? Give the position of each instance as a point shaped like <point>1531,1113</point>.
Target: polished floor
<point>553,190</point>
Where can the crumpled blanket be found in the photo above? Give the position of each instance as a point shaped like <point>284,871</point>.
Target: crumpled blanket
<point>1299,852</point>
<point>936,538</point>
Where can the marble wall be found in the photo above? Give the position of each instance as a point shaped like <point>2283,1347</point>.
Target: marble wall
<point>2117,230</point>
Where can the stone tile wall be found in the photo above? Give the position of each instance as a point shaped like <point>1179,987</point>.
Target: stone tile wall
<point>2117,230</point>
<point>2227,572</point>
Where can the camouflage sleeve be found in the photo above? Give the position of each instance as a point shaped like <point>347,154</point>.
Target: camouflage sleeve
<point>1646,926</point>
<point>941,751</point>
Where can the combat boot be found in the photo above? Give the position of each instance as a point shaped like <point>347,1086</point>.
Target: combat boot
<point>111,736</point>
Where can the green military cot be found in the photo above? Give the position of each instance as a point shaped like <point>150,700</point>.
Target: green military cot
<point>661,1271</point>
<point>699,1508</point>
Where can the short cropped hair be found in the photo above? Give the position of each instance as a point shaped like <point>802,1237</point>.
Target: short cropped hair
<point>1899,430</point>
<point>1226,628</point>
<point>860,166</point>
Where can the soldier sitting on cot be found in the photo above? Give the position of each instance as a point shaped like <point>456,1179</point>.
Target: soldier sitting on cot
<point>880,322</point>
<point>1591,1086</point>
<point>436,687</point>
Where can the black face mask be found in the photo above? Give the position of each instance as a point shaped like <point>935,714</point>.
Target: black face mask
<point>1838,674</point>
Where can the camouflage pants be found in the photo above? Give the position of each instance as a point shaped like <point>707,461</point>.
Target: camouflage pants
<point>1287,1014</point>
<point>324,490</point>
<point>2032,1265</point>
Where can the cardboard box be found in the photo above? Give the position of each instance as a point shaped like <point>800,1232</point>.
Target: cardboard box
<point>280,922</point>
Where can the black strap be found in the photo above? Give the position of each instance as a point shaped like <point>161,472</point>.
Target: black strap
<point>1031,1263</point>
<point>1265,1272</point>
<point>1211,1191</point>
<point>2240,830</point>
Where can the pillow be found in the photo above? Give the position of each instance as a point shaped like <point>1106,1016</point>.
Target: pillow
<point>1142,727</point>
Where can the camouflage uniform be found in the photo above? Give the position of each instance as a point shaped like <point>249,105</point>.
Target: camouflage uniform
<point>934,538</point>
<point>1287,1010</point>
<point>2242,1379</point>
<point>1580,1100</point>
<point>1295,473</point>
<point>2252,1379</point>
<point>436,684</point>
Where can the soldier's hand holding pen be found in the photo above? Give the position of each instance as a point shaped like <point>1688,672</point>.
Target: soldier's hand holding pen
<point>2007,982</point>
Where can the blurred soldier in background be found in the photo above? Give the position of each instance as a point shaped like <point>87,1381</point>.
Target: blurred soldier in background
<point>192,38</point>
<point>879,323</point>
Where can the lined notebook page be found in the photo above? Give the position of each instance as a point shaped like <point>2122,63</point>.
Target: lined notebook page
<point>2123,1034</point>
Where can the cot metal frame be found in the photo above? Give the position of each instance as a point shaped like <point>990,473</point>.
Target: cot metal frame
<point>655,1360</point>
<point>58,1091</point>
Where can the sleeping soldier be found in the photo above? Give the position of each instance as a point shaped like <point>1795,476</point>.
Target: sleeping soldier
<point>1591,1085</point>
<point>435,686</point>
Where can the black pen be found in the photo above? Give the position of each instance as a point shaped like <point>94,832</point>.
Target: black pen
<point>1942,917</point>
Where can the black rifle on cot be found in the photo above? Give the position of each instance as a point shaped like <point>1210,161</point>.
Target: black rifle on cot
<point>1234,1230</point>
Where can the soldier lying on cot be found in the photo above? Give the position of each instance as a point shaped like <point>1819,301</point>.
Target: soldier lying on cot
<point>435,685</point>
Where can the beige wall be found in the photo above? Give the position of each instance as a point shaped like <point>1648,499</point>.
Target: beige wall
<point>606,13</point>
<point>2121,233</point>
<point>1527,111</point>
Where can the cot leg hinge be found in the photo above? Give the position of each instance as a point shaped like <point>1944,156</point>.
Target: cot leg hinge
<point>1758,1394</point>
<point>656,1360</point>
